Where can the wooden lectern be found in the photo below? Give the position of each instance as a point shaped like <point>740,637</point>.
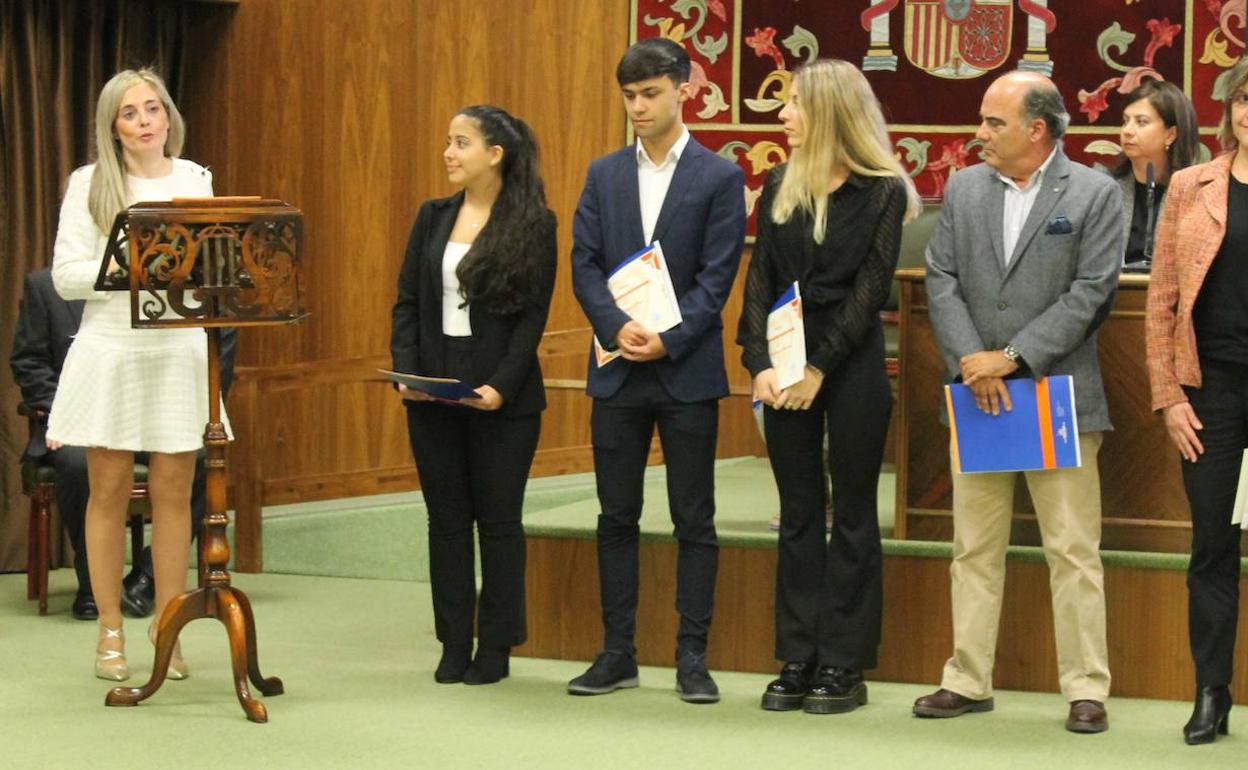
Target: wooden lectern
<point>210,263</point>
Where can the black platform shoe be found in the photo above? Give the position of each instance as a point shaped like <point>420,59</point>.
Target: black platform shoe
<point>1209,715</point>
<point>786,692</point>
<point>835,691</point>
<point>489,666</point>
<point>454,662</point>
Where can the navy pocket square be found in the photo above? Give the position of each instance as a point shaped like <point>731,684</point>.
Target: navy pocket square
<point>1059,226</point>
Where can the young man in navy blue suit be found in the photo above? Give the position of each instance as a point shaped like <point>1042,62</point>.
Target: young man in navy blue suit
<point>670,189</point>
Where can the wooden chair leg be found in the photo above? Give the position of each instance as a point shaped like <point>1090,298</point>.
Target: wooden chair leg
<point>32,549</point>
<point>43,556</point>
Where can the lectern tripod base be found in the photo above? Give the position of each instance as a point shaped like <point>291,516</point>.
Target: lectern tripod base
<point>230,606</point>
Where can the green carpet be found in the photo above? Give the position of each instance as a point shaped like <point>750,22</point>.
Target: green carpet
<point>356,657</point>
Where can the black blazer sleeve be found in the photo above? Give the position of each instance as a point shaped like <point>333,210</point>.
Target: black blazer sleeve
<point>861,309</point>
<point>32,362</point>
<point>405,318</point>
<point>516,366</point>
<point>760,288</point>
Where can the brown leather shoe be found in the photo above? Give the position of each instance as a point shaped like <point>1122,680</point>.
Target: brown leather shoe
<point>947,703</point>
<point>1087,716</point>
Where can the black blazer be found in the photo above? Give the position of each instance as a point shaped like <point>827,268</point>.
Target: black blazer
<point>46,326</point>
<point>504,346</point>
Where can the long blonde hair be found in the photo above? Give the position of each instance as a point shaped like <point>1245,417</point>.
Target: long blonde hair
<point>844,128</point>
<point>109,191</point>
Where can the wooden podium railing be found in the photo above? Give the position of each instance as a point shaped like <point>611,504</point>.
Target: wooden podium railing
<point>208,263</point>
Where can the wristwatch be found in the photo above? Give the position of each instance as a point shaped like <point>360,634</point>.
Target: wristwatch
<point>1012,354</point>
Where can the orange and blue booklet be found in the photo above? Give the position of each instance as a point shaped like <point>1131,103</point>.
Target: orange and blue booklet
<point>1039,433</point>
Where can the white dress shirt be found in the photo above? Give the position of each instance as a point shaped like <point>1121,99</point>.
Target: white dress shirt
<point>1018,203</point>
<point>455,321</point>
<point>654,179</point>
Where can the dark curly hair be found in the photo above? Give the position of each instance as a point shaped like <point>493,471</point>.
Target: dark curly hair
<point>500,271</point>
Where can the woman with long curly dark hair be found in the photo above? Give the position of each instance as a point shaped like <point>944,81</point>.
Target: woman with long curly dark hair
<point>474,293</point>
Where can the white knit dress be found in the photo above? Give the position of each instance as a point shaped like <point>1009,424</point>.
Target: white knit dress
<point>120,387</point>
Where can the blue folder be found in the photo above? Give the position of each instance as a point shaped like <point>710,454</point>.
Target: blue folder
<point>439,387</point>
<point>789,295</point>
<point>1041,432</point>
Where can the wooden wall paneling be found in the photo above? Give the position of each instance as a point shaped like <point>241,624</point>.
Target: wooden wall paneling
<point>344,114</point>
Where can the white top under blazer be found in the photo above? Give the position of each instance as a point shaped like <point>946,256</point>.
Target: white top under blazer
<point>455,321</point>
<point>121,387</point>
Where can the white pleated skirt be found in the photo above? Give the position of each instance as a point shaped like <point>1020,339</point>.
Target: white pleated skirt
<point>132,389</point>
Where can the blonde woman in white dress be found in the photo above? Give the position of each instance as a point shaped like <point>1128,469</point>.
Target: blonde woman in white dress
<point>125,390</point>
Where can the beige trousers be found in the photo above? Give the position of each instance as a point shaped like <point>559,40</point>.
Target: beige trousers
<point>1068,508</point>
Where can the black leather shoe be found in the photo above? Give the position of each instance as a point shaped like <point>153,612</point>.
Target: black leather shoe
<point>84,607</point>
<point>611,671</point>
<point>454,662</point>
<point>138,594</point>
<point>1209,716</point>
<point>836,690</point>
<point>786,693</point>
<point>693,681</point>
<point>489,666</point>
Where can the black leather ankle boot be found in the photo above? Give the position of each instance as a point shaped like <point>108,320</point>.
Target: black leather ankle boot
<point>455,659</point>
<point>490,665</point>
<point>1209,715</point>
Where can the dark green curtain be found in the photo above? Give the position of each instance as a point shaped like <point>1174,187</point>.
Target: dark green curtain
<point>55,55</point>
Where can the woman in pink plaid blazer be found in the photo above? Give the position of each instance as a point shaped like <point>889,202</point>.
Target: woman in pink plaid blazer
<point>1197,333</point>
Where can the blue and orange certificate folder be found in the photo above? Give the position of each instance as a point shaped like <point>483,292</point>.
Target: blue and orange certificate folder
<point>1039,433</point>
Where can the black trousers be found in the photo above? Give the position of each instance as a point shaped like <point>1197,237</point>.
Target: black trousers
<point>1221,404</point>
<point>621,429</point>
<point>73,489</point>
<point>829,589</point>
<point>473,469</point>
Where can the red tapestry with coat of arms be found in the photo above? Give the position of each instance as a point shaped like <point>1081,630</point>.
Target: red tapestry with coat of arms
<point>930,61</point>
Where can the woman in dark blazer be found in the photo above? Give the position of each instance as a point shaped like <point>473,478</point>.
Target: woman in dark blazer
<point>1197,337</point>
<point>474,293</point>
<point>829,219</point>
<point>1159,128</point>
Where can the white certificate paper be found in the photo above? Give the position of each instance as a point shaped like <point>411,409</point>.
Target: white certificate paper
<point>1241,495</point>
<point>642,287</point>
<point>786,338</point>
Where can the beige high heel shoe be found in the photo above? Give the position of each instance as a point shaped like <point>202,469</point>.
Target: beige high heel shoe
<point>110,655</point>
<point>177,667</point>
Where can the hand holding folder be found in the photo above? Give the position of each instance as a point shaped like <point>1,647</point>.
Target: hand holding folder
<point>1040,432</point>
<point>786,338</point>
<point>642,287</point>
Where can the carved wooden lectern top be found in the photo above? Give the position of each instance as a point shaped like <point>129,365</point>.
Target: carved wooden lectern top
<point>207,262</point>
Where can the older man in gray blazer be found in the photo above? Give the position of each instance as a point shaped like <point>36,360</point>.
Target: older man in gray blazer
<point>1027,250</point>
